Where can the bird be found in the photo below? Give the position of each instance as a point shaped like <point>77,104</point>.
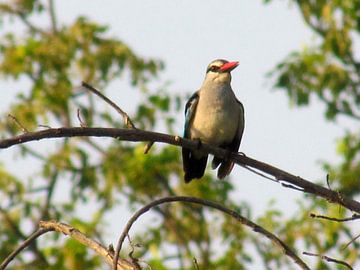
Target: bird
<point>215,116</point>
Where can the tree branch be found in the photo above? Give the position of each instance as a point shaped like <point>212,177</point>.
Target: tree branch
<point>329,259</point>
<point>125,116</point>
<point>136,135</point>
<point>353,217</point>
<point>81,238</point>
<point>27,242</point>
<point>256,228</point>
<point>47,226</point>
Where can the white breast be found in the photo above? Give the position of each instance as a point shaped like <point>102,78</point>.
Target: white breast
<point>217,116</point>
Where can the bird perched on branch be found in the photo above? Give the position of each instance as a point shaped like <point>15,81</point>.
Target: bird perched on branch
<point>213,115</point>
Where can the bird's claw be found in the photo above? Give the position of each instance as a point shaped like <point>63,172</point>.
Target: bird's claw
<point>198,144</point>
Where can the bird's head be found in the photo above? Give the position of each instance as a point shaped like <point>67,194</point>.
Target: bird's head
<point>219,70</point>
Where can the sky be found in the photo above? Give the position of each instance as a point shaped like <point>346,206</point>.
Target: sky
<point>187,36</point>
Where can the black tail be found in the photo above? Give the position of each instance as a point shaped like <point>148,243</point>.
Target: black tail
<point>193,167</point>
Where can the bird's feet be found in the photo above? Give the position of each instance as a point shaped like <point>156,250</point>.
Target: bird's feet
<point>199,144</point>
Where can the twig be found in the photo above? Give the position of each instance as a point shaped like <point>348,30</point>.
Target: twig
<point>26,243</point>
<point>15,228</point>
<point>196,264</point>
<point>125,116</point>
<point>81,238</point>
<point>259,173</point>
<point>353,217</point>
<point>328,259</point>
<point>256,228</point>
<point>136,135</point>
<point>52,16</point>
<point>350,242</point>
<point>82,123</point>
<point>17,122</point>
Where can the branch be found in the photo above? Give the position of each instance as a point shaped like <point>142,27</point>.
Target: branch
<point>26,243</point>
<point>328,259</point>
<point>52,16</point>
<point>15,228</point>
<point>47,226</point>
<point>353,217</point>
<point>136,135</point>
<point>256,228</point>
<point>125,116</point>
<point>81,238</point>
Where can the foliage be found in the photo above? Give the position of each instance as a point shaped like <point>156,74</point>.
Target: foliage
<point>82,181</point>
<point>89,175</point>
<point>329,69</point>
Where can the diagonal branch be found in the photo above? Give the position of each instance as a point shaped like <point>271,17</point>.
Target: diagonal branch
<point>48,226</point>
<point>136,135</point>
<point>125,116</point>
<point>256,228</point>
<point>26,243</point>
<point>81,238</point>
<point>329,259</point>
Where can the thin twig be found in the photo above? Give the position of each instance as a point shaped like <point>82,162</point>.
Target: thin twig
<point>16,229</point>
<point>17,122</point>
<point>26,243</point>
<point>196,264</point>
<point>125,116</point>
<point>353,217</point>
<point>259,173</point>
<point>52,16</point>
<point>136,135</point>
<point>329,259</point>
<point>82,123</point>
<point>31,26</point>
<point>256,228</point>
<point>291,186</point>
<point>351,241</point>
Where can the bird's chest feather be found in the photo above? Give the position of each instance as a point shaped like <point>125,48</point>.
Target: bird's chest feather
<point>216,118</point>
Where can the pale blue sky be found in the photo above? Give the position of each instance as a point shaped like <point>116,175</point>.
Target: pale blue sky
<point>187,35</point>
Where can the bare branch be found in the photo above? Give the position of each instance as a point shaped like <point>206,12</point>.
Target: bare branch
<point>328,259</point>
<point>81,238</point>
<point>26,243</point>
<point>353,217</point>
<point>352,241</point>
<point>47,226</point>
<point>196,264</point>
<point>82,123</point>
<point>125,116</point>
<point>15,228</point>
<point>52,16</point>
<point>256,228</point>
<point>136,135</point>
<point>17,122</point>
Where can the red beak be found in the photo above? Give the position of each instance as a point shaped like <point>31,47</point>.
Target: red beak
<point>227,67</point>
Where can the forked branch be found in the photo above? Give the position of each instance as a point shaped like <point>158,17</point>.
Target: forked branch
<point>256,228</point>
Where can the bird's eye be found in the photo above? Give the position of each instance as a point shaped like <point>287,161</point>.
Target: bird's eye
<point>213,68</point>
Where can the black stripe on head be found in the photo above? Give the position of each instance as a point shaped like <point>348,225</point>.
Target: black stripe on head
<point>215,65</point>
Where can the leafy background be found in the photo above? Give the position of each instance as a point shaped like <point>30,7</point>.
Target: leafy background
<point>148,57</point>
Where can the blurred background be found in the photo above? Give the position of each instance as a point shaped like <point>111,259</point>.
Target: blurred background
<point>298,79</point>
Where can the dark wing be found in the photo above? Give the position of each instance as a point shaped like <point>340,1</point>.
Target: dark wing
<point>194,167</point>
<point>227,165</point>
<point>190,109</point>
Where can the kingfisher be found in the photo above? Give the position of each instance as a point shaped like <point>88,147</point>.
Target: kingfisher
<point>215,116</point>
